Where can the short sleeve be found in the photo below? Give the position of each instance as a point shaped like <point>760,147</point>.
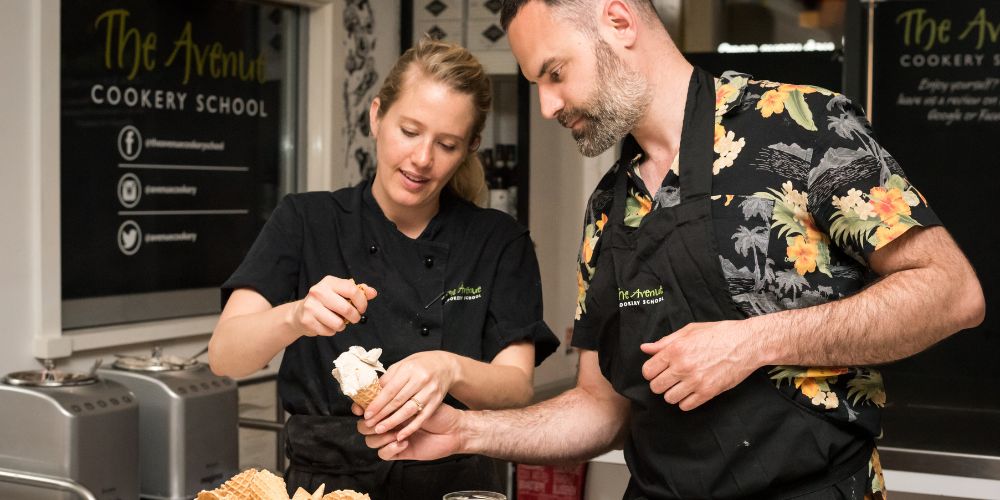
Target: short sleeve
<point>515,308</point>
<point>271,267</point>
<point>858,194</point>
<point>594,222</point>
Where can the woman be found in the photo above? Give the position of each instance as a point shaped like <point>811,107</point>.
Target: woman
<point>453,295</point>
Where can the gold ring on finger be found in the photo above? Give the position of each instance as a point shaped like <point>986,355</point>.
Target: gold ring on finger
<point>420,406</point>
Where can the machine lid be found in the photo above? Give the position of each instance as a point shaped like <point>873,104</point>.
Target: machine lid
<point>156,362</point>
<point>48,378</point>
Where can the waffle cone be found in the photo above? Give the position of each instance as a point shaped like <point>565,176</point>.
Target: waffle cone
<point>235,485</point>
<point>302,494</point>
<point>252,484</point>
<point>345,495</point>
<point>366,395</point>
<point>267,486</point>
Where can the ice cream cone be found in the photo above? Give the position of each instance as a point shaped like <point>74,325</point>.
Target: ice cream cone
<point>367,394</point>
<point>356,370</point>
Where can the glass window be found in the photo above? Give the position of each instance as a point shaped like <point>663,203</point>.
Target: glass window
<point>178,136</point>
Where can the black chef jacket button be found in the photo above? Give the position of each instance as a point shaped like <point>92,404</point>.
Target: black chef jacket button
<point>428,262</point>
<point>372,249</point>
<point>425,331</point>
<point>364,319</point>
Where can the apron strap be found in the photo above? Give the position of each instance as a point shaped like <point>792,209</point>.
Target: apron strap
<point>697,137</point>
<point>697,146</point>
<point>618,201</point>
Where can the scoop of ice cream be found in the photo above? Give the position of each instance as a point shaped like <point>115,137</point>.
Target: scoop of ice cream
<point>357,368</point>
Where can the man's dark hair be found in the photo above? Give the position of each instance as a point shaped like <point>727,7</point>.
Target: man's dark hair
<point>576,9</point>
<point>509,9</point>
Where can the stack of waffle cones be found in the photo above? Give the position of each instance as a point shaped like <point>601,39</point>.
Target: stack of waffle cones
<point>252,484</point>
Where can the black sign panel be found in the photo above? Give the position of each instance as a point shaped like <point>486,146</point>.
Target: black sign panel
<point>171,127</point>
<point>936,108</point>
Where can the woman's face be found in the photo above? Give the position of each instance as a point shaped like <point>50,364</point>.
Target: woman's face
<point>420,141</point>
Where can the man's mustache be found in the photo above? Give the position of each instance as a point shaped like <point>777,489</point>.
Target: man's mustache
<point>566,118</point>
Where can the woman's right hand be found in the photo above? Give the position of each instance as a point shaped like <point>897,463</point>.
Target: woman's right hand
<point>330,306</point>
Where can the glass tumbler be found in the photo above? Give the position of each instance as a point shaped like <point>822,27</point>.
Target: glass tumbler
<point>474,495</point>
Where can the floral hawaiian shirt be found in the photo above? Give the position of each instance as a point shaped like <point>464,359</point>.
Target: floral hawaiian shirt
<point>802,195</point>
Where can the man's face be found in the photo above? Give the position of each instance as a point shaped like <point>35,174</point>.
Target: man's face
<point>581,82</point>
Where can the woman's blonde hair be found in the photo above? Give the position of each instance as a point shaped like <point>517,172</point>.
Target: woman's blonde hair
<point>454,66</point>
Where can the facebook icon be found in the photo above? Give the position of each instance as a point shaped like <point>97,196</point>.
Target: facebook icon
<point>129,143</point>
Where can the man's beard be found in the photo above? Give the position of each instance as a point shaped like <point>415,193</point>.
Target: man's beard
<point>613,109</point>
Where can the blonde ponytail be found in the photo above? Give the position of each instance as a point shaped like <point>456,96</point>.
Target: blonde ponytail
<point>469,181</point>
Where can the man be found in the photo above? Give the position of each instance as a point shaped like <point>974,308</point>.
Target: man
<point>750,254</point>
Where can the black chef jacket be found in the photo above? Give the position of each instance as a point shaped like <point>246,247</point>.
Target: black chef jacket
<point>480,259</point>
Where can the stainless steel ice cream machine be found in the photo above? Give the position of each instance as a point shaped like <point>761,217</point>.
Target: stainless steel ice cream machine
<point>153,427</point>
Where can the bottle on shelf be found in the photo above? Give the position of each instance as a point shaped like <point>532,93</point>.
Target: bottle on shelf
<point>510,163</point>
<point>495,180</point>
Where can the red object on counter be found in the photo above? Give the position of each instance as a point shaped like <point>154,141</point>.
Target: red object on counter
<point>550,482</point>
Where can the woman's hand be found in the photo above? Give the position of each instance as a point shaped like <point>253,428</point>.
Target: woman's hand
<point>412,389</point>
<point>330,306</point>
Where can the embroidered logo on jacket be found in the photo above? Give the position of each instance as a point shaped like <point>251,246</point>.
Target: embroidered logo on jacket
<point>640,297</point>
<point>463,292</point>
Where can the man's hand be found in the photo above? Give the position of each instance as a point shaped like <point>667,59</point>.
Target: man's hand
<point>698,362</point>
<point>438,437</point>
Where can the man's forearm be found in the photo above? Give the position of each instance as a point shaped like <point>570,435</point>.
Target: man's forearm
<point>572,427</point>
<point>899,315</point>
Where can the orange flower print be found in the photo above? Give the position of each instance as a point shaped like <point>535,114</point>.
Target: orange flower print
<point>889,204</point>
<point>803,253</point>
<point>808,386</point>
<point>884,235</point>
<point>805,89</point>
<point>772,102</point>
<point>826,373</point>
<point>813,233</point>
<point>720,132</point>
<point>600,224</point>
<point>645,205</point>
<point>581,294</point>
<point>724,94</point>
<point>878,478</point>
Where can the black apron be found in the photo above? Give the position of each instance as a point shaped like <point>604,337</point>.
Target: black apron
<point>748,442</point>
<point>329,450</point>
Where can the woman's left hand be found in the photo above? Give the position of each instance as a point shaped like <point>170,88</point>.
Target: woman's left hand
<point>411,390</point>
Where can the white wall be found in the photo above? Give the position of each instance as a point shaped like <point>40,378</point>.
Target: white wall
<point>20,101</point>
<point>561,182</point>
